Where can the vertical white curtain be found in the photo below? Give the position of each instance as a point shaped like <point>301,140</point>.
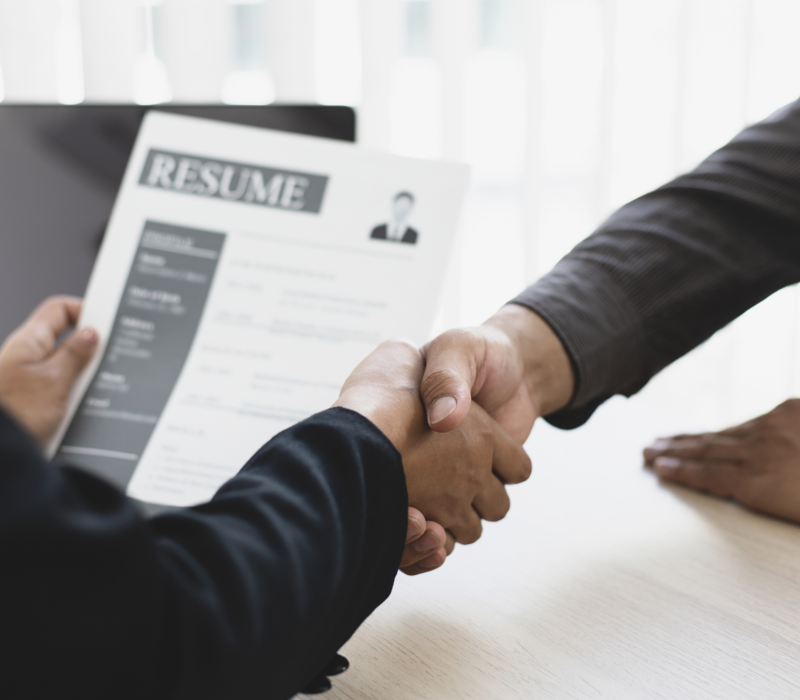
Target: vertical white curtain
<point>196,44</point>
<point>565,109</point>
<point>112,34</point>
<point>28,48</point>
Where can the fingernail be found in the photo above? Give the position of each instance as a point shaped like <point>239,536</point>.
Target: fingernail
<point>414,528</point>
<point>89,336</point>
<point>427,543</point>
<point>442,408</point>
<point>667,462</point>
<point>659,445</point>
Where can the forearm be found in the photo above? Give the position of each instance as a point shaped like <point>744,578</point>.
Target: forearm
<point>668,270</point>
<point>547,369</point>
<point>247,596</point>
<point>317,552</point>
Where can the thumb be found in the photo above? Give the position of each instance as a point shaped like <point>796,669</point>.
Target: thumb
<point>72,356</point>
<point>451,363</point>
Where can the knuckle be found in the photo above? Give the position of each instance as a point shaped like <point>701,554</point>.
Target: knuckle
<point>402,344</point>
<point>455,337</point>
<point>479,475</point>
<point>470,534</point>
<point>49,374</point>
<point>704,444</point>
<point>499,509</point>
<point>447,510</point>
<point>37,338</point>
<point>53,301</point>
<point>523,468</point>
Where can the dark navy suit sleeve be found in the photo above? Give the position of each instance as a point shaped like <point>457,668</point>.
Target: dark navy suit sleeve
<point>248,596</point>
<point>671,268</point>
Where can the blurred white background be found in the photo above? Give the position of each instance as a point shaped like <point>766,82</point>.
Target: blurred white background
<point>566,109</point>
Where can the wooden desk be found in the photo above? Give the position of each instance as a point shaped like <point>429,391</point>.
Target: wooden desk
<point>600,583</point>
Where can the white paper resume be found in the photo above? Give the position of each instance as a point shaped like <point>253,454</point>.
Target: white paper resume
<point>243,275</point>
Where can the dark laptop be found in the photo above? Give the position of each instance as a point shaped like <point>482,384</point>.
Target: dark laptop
<point>60,168</point>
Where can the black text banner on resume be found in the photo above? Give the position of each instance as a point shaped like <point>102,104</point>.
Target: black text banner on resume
<point>235,182</point>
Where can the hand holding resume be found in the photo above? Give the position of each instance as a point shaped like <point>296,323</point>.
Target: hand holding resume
<point>239,283</point>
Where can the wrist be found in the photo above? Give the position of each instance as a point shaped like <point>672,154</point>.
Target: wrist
<point>384,389</point>
<point>396,416</point>
<point>546,367</point>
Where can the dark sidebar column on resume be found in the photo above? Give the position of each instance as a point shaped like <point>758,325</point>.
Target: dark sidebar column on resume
<point>153,331</point>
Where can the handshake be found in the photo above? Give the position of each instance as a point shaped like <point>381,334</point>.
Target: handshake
<point>458,410</point>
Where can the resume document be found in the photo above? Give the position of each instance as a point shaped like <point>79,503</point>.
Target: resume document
<point>243,275</point>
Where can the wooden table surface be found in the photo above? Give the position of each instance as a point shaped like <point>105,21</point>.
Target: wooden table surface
<point>600,583</point>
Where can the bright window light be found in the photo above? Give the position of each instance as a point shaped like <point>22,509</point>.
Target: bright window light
<point>69,58</point>
<point>419,17</point>
<point>499,23</point>
<point>249,82</point>
<point>337,61</point>
<point>150,80</point>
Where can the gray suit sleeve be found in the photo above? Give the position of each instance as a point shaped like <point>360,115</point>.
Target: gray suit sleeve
<point>668,270</point>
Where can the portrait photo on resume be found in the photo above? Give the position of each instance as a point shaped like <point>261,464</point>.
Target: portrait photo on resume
<point>397,229</point>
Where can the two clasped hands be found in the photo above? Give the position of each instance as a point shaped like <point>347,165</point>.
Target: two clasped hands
<point>459,410</point>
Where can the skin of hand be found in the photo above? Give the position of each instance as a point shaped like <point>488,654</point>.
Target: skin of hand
<point>514,366</point>
<point>455,479</point>
<point>756,463</point>
<point>36,373</point>
<point>427,545</point>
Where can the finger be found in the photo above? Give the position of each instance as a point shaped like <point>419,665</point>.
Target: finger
<point>492,503</point>
<point>469,529</point>
<point>433,561</point>
<point>659,445</point>
<point>72,356</point>
<point>450,545</point>
<point>510,463</point>
<point>719,478</point>
<point>430,563</point>
<point>452,362</point>
<point>416,525</point>
<point>708,446</point>
<point>61,312</point>
<point>515,415</point>
<point>432,540</point>
<point>35,339</point>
